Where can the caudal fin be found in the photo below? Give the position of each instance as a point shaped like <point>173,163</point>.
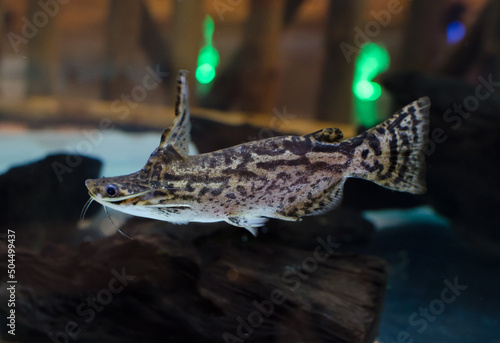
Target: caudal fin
<point>391,154</point>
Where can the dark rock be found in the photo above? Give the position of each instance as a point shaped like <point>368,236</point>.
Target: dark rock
<point>40,199</point>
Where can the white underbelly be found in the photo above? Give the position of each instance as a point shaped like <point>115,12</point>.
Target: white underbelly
<point>176,215</point>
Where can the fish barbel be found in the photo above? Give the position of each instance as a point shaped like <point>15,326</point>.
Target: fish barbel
<point>286,177</point>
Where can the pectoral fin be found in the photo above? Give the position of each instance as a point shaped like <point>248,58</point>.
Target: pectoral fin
<point>177,211</point>
<point>178,133</point>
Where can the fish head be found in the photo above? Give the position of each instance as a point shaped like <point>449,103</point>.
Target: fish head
<point>119,190</point>
<point>132,190</point>
<point>145,187</point>
<point>143,192</point>
<point>137,198</point>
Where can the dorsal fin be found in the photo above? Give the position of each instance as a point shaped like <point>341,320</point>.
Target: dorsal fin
<point>178,134</point>
<point>160,157</point>
<point>164,154</point>
<point>330,135</point>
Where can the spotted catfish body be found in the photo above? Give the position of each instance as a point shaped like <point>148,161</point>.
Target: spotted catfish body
<point>283,177</point>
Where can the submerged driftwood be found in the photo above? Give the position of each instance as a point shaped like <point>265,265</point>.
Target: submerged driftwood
<point>217,288</point>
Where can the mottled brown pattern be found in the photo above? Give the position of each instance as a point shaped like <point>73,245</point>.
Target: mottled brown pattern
<point>283,177</point>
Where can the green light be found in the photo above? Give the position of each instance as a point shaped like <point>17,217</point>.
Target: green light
<point>372,61</point>
<point>208,29</point>
<point>367,90</point>
<point>208,55</point>
<point>208,58</point>
<point>205,73</point>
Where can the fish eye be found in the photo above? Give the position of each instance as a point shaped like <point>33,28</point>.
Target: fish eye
<point>111,190</point>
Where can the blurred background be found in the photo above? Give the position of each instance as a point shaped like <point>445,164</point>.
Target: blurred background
<point>87,86</point>
<point>243,55</point>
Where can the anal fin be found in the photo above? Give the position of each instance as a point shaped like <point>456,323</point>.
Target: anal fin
<point>331,199</point>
